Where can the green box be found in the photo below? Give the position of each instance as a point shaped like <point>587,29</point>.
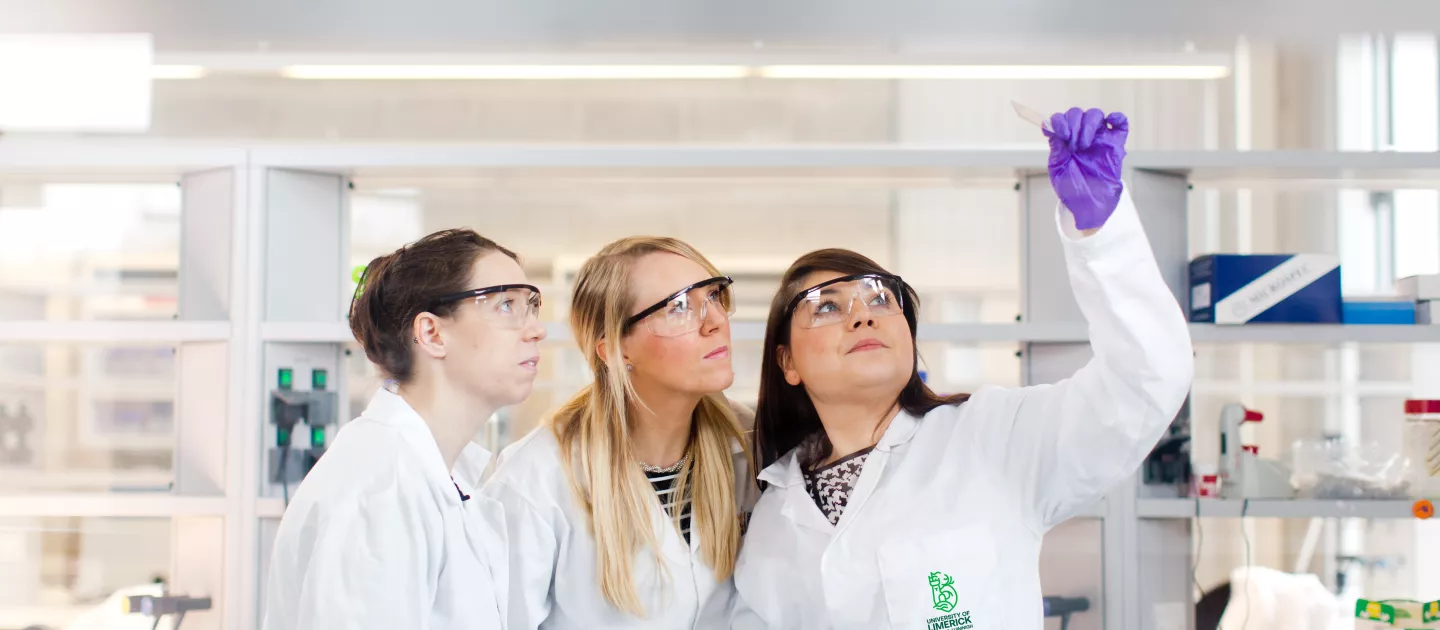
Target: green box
<point>1403,614</point>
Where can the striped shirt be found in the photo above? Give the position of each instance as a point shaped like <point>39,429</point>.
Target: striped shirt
<point>663,483</point>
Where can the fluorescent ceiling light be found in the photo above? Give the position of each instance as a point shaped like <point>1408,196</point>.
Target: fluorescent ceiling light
<point>740,71</point>
<point>75,82</point>
<point>993,72</point>
<point>517,72</point>
<point>178,72</point>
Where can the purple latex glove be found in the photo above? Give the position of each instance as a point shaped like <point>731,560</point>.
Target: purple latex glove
<point>1086,152</point>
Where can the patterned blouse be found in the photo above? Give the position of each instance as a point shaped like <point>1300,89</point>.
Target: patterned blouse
<point>830,485</point>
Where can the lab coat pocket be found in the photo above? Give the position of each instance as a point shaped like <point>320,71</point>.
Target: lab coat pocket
<point>940,580</point>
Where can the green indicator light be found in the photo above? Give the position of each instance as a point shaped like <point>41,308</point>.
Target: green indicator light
<point>318,379</point>
<point>287,378</point>
<point>282,437</point>
<point>317,436</point>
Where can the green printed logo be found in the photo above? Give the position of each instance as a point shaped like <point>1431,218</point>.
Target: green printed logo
<point>942,592</point>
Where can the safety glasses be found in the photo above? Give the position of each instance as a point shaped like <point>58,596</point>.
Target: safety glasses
<point>507,305</point>
<point>684,311</point>
<point>833,302</point>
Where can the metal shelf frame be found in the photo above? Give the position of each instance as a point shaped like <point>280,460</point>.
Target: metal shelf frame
<point>243,330</point>
<point>1273,508</point>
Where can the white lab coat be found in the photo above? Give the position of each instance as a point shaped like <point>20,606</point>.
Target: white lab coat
<point>554,582</point>
<point>943,527</point>
<point>377,535</point>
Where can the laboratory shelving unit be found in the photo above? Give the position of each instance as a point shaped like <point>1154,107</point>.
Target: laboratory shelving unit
<point>264,246</point>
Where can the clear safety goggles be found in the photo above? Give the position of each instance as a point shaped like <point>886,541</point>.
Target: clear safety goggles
<point>835,301</point>
<point>506,306</point>
<point>685,310</point>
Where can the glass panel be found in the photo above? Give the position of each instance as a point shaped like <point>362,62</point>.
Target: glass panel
<point>79,417</point>
<point>1072,568</point>
<point>81,250</point>
<point>60,570</point>
<point>959,247</point>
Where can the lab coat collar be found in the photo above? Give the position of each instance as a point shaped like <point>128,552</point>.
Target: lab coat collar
<point>470,468</point>
<point>389,408</point>
<point>785,472</point>
<point>902,428</point>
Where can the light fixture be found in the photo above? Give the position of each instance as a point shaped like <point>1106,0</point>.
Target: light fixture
<point>165,72</point>
<point>994,72</point>
<point>75,82</point>
<point>741,71</point>
<point>514,72</point>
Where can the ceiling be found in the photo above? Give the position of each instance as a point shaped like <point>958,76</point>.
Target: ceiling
<point>409,25</point>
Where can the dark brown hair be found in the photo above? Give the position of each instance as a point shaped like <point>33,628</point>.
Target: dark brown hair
<point>785,416</point>
<point>400,285</point>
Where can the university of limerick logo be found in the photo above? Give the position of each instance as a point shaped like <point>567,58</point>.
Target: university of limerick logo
<point>942,592</point>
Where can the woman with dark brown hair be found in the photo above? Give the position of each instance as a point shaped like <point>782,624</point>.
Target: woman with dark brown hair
<point>386,531</point>
<point>888,506</point>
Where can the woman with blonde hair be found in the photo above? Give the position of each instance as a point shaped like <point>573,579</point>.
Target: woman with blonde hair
<point>624,509</point>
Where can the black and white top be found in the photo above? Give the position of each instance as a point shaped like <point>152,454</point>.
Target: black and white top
<point>830,485</point>
<point>664,483</point>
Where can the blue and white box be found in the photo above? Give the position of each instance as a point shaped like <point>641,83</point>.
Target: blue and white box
<point>1270,288</point>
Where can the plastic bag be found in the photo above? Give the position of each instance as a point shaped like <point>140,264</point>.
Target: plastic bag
<point>1335,469</point>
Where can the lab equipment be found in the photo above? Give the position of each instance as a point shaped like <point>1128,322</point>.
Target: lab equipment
<point>299,414</point>
<point>1168,466</point>
<point>1419,288</point>
<point>1242,473</point>
<point>1063,607</point>
<point>1422,444</point>
<point>1398,312</point>
<point>1207,481</point>
<point>1271,288</point>
<point>1031,116</point>
<point>160,606</point>
<point>1087,149</point>
<point>1427,312</point>
<point>15,430</point>
<point>1335,469</point>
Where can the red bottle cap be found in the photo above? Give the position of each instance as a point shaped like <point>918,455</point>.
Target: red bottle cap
<point>1422,406</point>
<point>1253,416</point>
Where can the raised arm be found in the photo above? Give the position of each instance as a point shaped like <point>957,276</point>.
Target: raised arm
<point>1067,444</point>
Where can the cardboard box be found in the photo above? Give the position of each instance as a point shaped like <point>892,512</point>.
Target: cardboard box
<point>1270,288</point>
<point>1396,614</point>
<point>1419,288</point>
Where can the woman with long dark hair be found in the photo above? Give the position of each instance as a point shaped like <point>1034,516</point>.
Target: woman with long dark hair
<point>889,506</point>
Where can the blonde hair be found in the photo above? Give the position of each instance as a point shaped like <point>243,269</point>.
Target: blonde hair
<point>594,428</point>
